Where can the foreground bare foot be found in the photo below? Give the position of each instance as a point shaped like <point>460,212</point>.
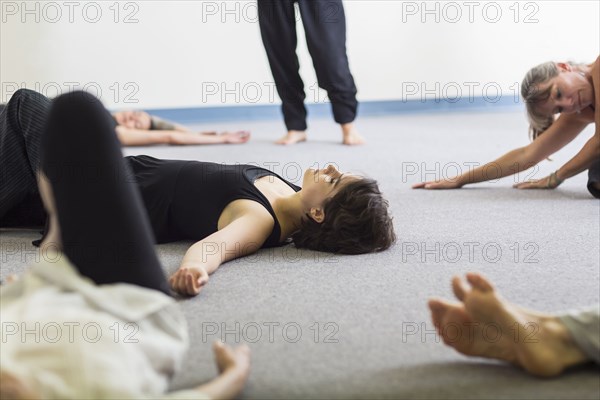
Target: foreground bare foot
<point>485,325</point>
<point>292,137</point>
<point>351,135</point>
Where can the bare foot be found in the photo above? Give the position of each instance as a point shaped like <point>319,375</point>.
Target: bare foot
<point>351,135</point>
<point>292,137</point>
<point>485,325</point>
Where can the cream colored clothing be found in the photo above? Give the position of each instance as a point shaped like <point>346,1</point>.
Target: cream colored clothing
<point>66,337</point>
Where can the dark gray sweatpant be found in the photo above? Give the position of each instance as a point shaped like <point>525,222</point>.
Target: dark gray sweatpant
<point>22,120</point>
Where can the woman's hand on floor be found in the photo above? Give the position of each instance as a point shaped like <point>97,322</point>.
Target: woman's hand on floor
<point>441,184</point>
<point>189,281</point>
<point>544,183</point>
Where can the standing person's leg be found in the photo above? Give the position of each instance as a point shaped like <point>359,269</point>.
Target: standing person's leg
<point>594,179</point>
<point>278,31</point>
<point>104,229</point>
<point>21,123</point>
<point>584,326</point>
<point>325,25</point>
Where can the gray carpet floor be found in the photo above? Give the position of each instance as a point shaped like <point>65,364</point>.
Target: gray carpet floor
<point>328,326</point>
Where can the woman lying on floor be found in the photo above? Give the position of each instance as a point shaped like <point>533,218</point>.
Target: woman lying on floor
<point>233,210</point>
<point>138,128</point>
<point>106,276</point>
<point>571,90</point>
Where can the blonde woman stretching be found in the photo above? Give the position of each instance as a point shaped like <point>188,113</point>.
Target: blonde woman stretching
<point>568,90</point>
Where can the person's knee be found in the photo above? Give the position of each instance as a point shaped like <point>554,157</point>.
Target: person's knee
<point>77,109</point>
<point>26,105</point>
<point>78,121</point>
<point>78,99</point>
<point>22,95</point>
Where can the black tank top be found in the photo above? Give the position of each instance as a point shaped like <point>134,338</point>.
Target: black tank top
<point>184,199</point>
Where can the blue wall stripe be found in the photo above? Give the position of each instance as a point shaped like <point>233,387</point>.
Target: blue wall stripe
<point>323,110</point>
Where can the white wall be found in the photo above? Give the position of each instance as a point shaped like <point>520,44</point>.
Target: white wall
<point>184,53</point>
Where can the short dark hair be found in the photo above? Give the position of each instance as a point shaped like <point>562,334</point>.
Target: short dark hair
<point>357,221</point>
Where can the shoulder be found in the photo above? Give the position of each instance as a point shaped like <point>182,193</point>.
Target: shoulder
<point>248,213</point>
<point>596,73</point>
<point>596,84</point>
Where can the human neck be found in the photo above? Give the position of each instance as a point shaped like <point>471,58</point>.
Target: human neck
<point>289,211</point>
<point>586,69</point>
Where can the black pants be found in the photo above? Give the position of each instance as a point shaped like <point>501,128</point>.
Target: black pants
<point>21,124</point>
<point>325,25</point>
<point>594,178</point>
<point>104,228</point>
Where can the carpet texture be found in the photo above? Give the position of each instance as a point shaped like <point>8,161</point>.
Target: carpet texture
<point>330,326</point>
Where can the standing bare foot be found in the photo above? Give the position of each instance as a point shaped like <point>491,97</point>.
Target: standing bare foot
<point>293,137</point>
<point>485,325</point>
<point>351,135</point>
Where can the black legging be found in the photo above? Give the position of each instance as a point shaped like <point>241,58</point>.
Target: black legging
<point>594,179</point>
<point>104,228</point>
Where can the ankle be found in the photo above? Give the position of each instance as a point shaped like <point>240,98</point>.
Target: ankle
<point>566,349</point>
<point>348,128</point>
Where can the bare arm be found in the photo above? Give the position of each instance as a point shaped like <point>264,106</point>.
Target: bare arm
<point>138,137</point>
<point>243,236</point>
<point>582,160</point>
<point>562,132</point>
<point>590,151</point>
<point>234,367</point>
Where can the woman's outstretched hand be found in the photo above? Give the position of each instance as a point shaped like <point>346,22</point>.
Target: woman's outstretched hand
<point>236,137</point>
<point>188,281</point>
<point>544,183</point>
<point>439,185</point>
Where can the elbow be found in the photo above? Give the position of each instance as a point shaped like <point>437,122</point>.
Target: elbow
<point>529,157</point>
